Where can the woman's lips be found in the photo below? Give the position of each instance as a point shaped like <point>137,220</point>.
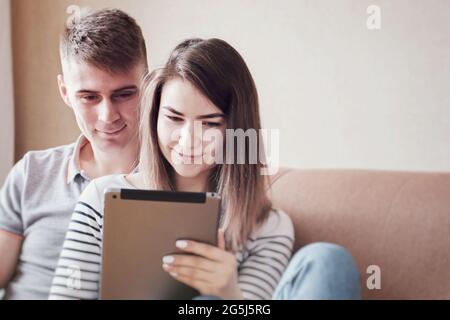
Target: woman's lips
<point>187,156</point>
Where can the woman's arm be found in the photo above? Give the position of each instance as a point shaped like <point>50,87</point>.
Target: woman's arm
<point>78,270</point>
<point>268,254</point>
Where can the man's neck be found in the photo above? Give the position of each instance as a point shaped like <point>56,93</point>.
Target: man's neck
<point>96,163</point>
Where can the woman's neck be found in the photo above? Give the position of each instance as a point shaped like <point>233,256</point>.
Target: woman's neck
<point>196,184</point>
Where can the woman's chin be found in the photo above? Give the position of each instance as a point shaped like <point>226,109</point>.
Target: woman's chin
<point>189,170</point>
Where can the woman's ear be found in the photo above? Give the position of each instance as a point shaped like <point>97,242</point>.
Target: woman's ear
<point>63,90</point>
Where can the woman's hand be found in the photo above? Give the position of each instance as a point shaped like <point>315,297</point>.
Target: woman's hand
<point>211,270</point>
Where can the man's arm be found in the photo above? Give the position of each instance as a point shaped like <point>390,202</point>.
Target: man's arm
<point>11,225</point>
<point>10,245</point>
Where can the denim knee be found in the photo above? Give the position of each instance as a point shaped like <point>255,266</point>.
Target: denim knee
<point>326,254</point>
<point>320,271</point>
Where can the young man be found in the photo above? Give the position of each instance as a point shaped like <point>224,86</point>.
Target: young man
<point>103,59</point>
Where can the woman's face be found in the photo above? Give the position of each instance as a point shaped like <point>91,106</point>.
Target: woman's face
<point>190,129</point>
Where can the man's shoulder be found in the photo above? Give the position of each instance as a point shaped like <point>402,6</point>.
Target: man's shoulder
<point>50,155</point>
<point>46,164</point>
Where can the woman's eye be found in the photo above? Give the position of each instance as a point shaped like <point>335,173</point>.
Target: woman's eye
<point>175,119</point>
<point>212,124</point>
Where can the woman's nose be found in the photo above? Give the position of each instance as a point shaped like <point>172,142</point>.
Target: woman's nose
<point>191,137</point>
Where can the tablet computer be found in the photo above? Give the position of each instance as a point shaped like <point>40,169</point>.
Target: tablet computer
<point>139,228</point>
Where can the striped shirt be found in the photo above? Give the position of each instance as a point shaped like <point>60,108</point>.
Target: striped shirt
<point>261,261</point>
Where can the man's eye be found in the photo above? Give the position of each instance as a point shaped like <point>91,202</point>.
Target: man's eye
<point>175,119</point>
<point>124,95</point>
<point>89,98</point>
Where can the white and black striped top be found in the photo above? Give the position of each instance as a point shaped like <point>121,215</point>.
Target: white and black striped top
<point>260,263</point>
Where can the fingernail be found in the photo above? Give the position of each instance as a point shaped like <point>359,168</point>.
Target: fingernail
<point>181,244</point>
<point>173,274</point>
<point>165,266</point>
<point>168,259</point>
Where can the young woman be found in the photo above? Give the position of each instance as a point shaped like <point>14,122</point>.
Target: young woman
<point>204,90</point>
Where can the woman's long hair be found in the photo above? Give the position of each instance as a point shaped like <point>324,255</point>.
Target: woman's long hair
<point>218,71</point>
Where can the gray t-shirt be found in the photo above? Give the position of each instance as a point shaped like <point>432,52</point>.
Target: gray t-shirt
<point>36,202</point>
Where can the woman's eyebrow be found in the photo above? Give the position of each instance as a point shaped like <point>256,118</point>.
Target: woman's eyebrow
<point>173,110</point>
<point>211,115</point>
<point>205,116</point>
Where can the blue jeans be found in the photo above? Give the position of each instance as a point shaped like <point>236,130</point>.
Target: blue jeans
<point>318,271</point>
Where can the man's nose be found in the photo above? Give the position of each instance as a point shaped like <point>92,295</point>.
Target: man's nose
<point>108,112</point>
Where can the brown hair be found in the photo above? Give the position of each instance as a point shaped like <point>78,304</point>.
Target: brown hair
<point>108,39</point>
<point>218,71</point>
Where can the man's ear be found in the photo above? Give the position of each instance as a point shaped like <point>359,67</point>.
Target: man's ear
<point>63,90</point>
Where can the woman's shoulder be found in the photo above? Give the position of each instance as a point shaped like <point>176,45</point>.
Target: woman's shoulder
<point>111,181</point>
<point>277,225</point>
<point>93,193</point>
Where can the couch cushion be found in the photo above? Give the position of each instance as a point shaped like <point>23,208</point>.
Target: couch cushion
<point>399,221</point>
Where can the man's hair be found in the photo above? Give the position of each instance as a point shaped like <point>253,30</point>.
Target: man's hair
<point>108,39</point>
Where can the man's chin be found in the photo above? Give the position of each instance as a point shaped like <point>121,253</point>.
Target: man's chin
<point>111,145</point>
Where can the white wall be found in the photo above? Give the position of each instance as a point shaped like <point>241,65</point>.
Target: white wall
<point>6,93</point>
<point>343,96</point>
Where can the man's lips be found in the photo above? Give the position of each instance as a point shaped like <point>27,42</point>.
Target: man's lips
<point>112,131</point>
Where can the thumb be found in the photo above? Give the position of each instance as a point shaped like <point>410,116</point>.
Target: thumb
<point>221,239</point>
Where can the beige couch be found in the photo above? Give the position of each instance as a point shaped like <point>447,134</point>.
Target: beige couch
<point>399,221</point>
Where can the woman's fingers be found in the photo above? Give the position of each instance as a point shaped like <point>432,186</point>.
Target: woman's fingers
<point>189,261</point>
<point>193,277</point>
<point>207,268</point>
<point>187,272</point>
<point>200,285</point>
<point>202,249</point>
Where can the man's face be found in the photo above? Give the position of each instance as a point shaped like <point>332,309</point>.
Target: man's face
<point>105,104</point>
